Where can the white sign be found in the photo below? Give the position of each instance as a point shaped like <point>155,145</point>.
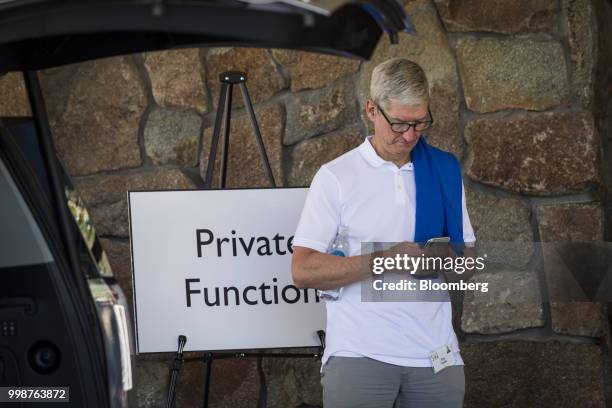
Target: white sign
<point>215,265</point>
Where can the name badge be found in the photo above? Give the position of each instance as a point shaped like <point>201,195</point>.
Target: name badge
<point>442,358</point>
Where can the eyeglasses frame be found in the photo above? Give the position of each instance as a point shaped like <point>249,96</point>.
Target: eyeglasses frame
<point>410,124</point>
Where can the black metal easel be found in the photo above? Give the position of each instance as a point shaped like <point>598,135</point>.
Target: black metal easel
<point>228,80</point>
<point>176,366</point>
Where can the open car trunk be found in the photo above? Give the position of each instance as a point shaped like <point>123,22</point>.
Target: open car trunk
<point>36,34</point>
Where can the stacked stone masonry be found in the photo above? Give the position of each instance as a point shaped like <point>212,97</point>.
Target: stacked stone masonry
<point>520,93</point>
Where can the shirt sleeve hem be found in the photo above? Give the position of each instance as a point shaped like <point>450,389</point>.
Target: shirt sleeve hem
<point>304,242</point>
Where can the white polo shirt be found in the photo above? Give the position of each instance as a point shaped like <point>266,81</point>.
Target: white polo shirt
<point>376,200</point>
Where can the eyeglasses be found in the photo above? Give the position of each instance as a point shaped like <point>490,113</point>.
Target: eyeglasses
<point>401,127</point>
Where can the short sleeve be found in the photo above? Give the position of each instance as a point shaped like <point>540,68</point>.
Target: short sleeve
<point>320,217</point>
<point>468,231</point>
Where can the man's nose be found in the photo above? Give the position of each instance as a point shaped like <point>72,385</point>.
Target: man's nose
<point>410,135</point>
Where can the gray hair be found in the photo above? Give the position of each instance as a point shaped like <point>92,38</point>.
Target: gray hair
<point>401,81</point>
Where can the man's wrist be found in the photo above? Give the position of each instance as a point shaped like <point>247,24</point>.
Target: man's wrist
<point>371,261</point>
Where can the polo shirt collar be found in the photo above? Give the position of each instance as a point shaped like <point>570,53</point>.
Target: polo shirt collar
<point>369,154</point>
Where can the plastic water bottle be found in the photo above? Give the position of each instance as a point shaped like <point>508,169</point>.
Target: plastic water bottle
<point>339,247</point>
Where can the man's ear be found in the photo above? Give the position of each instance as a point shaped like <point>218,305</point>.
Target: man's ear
<point>370,110</point>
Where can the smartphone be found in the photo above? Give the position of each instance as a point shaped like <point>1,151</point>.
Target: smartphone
<point>438,240</point>
<point>430,242</point>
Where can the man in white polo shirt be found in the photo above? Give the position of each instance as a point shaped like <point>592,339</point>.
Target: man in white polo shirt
<point>394,187</point>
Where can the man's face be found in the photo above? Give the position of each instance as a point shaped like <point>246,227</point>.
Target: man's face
<point>391,142</point>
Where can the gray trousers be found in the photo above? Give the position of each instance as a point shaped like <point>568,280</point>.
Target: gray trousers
<point>361,382</point>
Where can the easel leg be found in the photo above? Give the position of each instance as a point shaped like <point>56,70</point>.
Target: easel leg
<point>226,141</point>
<point>321,335</point>
<point>215,137</point>
<point>260,143</point>
<point>176,366</point>
<point>209,360</point>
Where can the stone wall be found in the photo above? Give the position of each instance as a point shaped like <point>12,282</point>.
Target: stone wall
<point>603,92</point>
<point>521,95</point>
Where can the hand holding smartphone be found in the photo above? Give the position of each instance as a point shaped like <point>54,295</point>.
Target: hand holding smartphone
<point>434,247</point>
<point>439,240</point>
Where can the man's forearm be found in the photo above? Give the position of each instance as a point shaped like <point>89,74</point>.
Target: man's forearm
<point>325,271</point>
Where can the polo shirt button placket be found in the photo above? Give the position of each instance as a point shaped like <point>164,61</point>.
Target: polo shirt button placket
<point>399,191</point>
